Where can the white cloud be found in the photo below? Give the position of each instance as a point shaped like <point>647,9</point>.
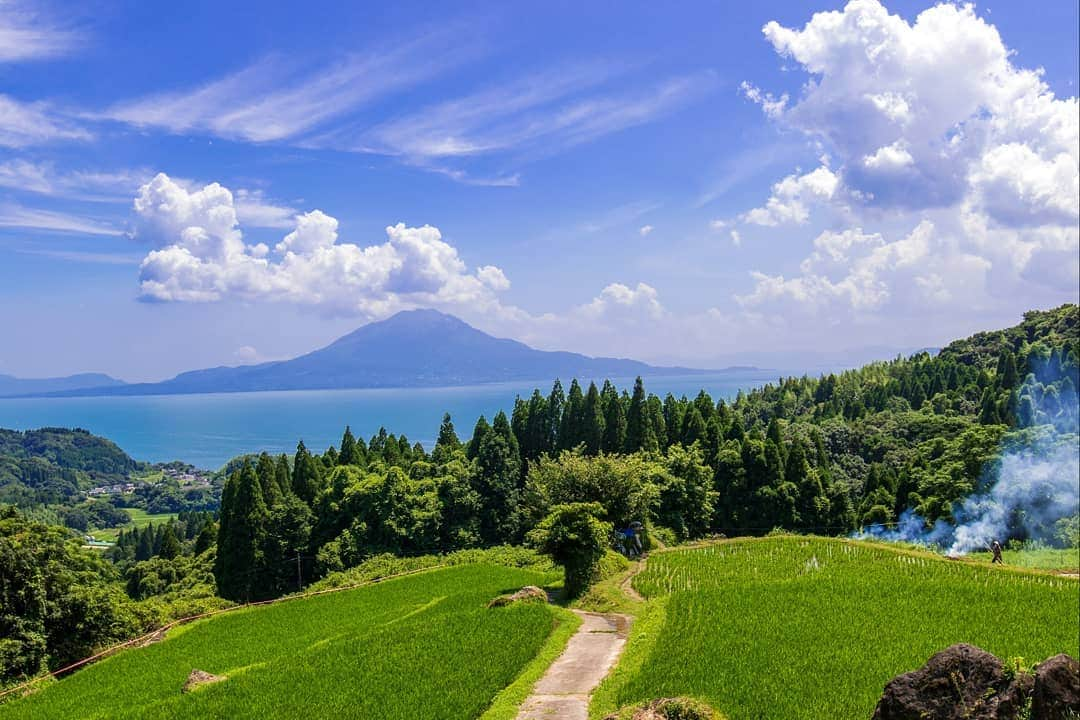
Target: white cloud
<point>880,100</point>
<point>889,158</point>
<point>247,355</point>
<point>951,192</point>
<point>18,216</point>
<point>851,273</point>
<point>25,124</point>
<point>644,230</point>
<point>544,113</point>
<point>279,100</point>
<point>28,35</point>
<point>253,208</point>
<point>83,256</point>
<point>619,299</point>
<point>793,197</point>
<point>1019,187</point>
<point>201,256</point>
<point>493,277</point>
<point>772,106</point>
<point>736,238</point>
<point>45,179</point>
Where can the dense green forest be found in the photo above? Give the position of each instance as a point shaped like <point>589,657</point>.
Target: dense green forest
<point>822,455</point>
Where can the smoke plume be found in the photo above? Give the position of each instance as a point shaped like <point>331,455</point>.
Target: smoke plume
<point>1034,483</point>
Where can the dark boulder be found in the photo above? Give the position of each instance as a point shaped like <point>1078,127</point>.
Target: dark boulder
<point>960,682</point>
<point>1056,695</point>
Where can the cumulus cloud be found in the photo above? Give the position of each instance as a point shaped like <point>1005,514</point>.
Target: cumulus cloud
<point>201,255</point>
<point>619,299</point>
<point>957,191</point>
<point>645,230</point>
<point>793,197</point>
<point>879,99</point>
<point>852,272</point>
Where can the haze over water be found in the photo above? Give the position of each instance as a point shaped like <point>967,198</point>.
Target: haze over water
<point>207,430</point>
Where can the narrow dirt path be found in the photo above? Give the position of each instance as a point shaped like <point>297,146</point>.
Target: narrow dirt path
<point>627,585</point>
<point>564,690</point>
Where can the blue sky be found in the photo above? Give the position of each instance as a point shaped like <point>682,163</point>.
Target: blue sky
<point>190,186</point>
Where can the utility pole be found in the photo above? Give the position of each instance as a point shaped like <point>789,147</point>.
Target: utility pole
<point>299,576</point>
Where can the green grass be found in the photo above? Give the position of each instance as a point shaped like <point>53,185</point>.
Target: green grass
<point>139,519</point>
<point>1038,559</point>
<point>810,628</point>
<point>423,646</point>
<point>505,706</point>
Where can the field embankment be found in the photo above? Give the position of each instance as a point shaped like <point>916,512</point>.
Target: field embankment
<point>799,628</point>
<point>423,646</point>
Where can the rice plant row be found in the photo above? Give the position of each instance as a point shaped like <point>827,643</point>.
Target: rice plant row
<point>810,628</point>
<point>423,646</point>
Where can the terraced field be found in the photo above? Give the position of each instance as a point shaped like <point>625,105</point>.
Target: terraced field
<point>812,629</point>
<point>139,519</point>
<point>423,646</point>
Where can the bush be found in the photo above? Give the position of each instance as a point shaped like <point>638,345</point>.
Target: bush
<point>575,537</point>
<point>612,563</point>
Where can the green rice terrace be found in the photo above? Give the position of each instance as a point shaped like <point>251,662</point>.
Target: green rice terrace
<point>781,627</point>
<point>809,628</point>
<point>422,646</point>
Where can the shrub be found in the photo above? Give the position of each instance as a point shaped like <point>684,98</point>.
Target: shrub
<point>575,537</point>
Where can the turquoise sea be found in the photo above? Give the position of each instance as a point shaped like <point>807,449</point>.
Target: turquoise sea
<point>207,430</point>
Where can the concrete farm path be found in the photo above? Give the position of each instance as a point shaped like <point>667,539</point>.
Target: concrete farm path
<point>564,690</point>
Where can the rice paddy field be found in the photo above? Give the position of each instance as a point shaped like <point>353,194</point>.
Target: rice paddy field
<point>139,519</point>
<point>423,646</point>
<point>811,629</point>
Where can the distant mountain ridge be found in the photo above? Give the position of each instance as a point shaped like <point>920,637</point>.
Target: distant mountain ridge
<point>12,386</point>
<point>414,348</point>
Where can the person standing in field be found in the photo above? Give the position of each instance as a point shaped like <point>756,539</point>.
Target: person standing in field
<point>995,548</point>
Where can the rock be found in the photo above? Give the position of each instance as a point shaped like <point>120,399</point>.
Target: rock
<point>1057,689</point>
<point>678,708</point>
<point>529,593</point>
<point>198,678</point>
<point>960,682</point>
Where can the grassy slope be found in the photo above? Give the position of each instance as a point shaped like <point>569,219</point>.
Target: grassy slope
<point>800,628</point>
<point>417,647</point>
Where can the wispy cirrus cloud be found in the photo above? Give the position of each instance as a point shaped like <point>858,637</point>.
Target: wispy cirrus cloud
<point>18,216</point>
<point>555,109</point>
<point>84,256</point>
<point>44,178</point>
<point>27,34</point>
<point>23,124</point>
<point>278,99</point>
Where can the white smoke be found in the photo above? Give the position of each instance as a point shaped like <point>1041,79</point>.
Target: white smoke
<point>1032,485</point>
<point>1034,489</point>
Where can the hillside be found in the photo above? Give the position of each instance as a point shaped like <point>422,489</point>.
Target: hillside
<point>53,465</point>
<point>811,629</point>
<point>417,348</point>
<point>419,647</point>
<point>11,386</point>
